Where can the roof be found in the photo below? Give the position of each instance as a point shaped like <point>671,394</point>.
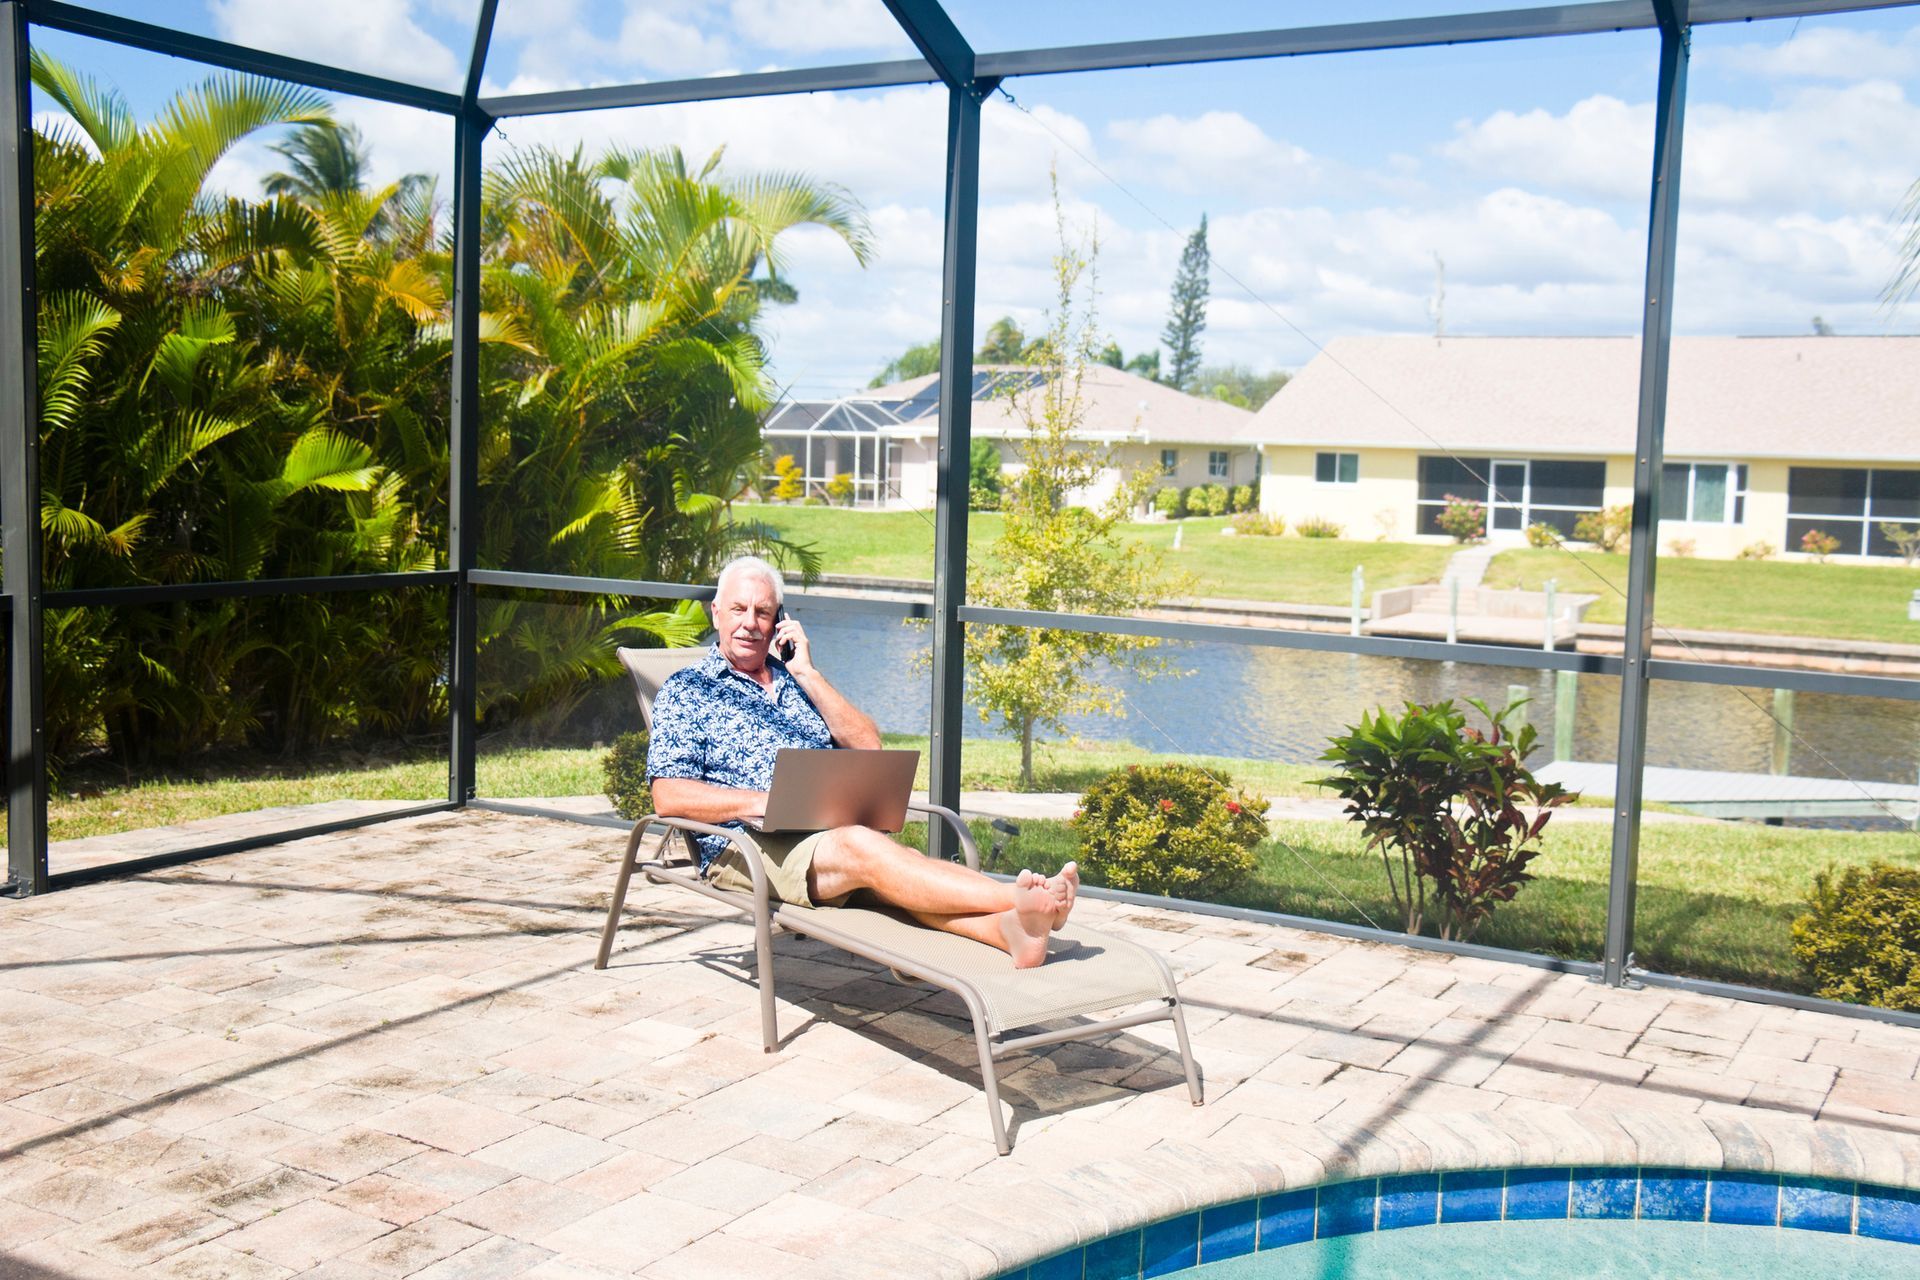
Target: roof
<point>1120,406</point>
<point>1832,398</point>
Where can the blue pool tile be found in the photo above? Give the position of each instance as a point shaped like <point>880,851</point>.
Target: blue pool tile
<point>1228,1230</point>
<point>1604,1193</point>
<point>1286,1218</point>
<point>1474,1196</point>
<point>1890,1213</point>
<point>1347,1208</point>
<point>1815,1204</point>
<point>1061,1266</point>
<point>1412,1200</point>
<point>1168,1246</point>
<point>1673,1195</point>
<point>1538,1193</point>
<point>1115,1258</point>
<point>1745,1199</point>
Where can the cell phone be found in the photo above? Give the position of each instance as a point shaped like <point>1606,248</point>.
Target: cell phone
<point>784,650</point>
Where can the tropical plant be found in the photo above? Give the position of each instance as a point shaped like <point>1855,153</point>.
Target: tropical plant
<point>1607,529</point>
<point>1819,544</point>
<point>1541,535</point>
<point>1453,810</point>
<point>1905,539</point>
<point>1170,829</point>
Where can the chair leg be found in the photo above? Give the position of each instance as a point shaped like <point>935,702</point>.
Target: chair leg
<point>1186,1053</point>
<point>763,961</point>
<point>990,1079</point>
<point>619,894</point>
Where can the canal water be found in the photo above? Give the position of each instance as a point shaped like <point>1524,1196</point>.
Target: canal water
<point>1281,704</point>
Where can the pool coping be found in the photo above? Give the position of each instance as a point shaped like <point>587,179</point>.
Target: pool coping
<point>975,1238</point>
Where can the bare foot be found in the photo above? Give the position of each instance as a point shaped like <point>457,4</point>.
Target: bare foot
<point>1025,925</point>
<point>1065,888</point>
<point>1027,879</point>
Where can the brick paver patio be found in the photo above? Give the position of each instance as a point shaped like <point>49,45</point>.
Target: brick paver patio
<point>385,1053</point>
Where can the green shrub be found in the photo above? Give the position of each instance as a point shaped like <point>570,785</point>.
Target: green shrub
<point>1542,535</point>
<point>840,488</point>
<point>1167,503</point>
<point>1255,525</point>
<point>1463,519</point>
<point>1606,529</point>
<point>790,479</point>
<point>1195,500</point>
<point>1756,551</point>
<point>1242,498</point>
<point>983,499</point>
<point>1454,814</point>
<point>1169,829</point>
<point>1318,527</point>
<point>1860,939</point>
<point>1216,499</point>
<point>624,770</point>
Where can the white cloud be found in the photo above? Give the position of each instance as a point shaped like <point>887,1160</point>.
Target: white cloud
<point>1822,53</point>
<point>1601,146</point>
<point>1214,152</point>
<point>378,36</point>
<point>815,26</point>
<point>663,43</point>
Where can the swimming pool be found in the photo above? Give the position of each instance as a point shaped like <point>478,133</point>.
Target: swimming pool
<point>1555,1222</point>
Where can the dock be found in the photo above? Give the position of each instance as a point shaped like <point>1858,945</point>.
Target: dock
<point>1717,793</point>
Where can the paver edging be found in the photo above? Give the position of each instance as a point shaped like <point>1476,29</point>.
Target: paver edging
<point>1204,1178</point>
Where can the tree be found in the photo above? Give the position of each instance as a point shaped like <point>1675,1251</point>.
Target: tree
<point>916,361</point>
<point>1005,344</point>
<point>1237,384</point>
<point>1146,364</point>
<point>1052,555</point>
<point>983,474</point>
<point>328,161</point>
<point>1187,315</point>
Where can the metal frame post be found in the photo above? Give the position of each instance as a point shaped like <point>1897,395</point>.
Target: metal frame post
<point>470,129</point>
<point>26,757</point>
<point>1649,450</point>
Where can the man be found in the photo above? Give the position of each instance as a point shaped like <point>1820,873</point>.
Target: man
<point>717,727</point>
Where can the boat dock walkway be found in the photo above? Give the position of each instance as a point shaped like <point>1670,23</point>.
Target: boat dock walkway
<point>1721,793</point>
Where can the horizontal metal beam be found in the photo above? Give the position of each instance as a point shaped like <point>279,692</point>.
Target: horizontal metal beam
<point>1840,682</point>
<point>568,584</point>
<point>155,862</point>
<point>168,593</point>
<point>1346,37</point>
<point>1702,11</point>
<point>1486,655</point>
<point>1789,999</point>
<point>545,811</point>
<point>761,84</point>
<point>81,21</point>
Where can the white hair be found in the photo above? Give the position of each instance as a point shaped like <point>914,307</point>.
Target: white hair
<point>752,567</point>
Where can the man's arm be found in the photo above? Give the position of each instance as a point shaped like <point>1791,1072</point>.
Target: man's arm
<point>849,725</point>
<point>706,801</point>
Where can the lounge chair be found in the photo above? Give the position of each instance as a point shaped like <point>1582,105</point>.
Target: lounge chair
<point>1086,972</point>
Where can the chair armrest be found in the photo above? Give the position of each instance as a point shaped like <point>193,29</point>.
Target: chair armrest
<point>738,839</point>
<point>954,820</point>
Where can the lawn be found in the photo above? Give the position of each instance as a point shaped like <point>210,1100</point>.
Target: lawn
<point>899,544</point>
<point>1838,601</point>
<point>1715,900</point>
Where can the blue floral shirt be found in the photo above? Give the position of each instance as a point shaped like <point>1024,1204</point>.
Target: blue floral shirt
<point>713,724</point>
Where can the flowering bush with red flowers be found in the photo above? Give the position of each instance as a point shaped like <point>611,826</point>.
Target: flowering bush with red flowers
<point>1169,829</point>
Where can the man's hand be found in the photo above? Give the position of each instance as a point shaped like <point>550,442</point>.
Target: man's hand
<point>789,631</point>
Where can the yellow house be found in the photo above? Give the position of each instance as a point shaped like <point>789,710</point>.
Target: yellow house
<point>1768,440</point>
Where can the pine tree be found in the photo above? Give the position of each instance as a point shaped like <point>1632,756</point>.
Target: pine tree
<point>1187,316</point>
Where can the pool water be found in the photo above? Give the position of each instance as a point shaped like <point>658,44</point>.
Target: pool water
<point>1574,1250</point>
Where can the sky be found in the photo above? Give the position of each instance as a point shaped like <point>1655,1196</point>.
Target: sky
<point>1334,187</point>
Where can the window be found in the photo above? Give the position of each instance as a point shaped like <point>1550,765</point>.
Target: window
<point>1517,492</point>
<point>1217,464</point>
<point>1169,461</point>
<point>1704,492</point>
<point>1336,468</point>
<point>1851,503</point>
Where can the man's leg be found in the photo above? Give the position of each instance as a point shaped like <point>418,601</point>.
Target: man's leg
<point>944,895</point>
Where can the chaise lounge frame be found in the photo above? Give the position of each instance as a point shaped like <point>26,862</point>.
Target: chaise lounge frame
<point>1108,973</point>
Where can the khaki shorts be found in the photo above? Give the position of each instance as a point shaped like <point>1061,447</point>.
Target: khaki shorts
<point>786,855</point>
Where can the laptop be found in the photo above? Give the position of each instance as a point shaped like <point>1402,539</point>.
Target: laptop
<point>820,790</point>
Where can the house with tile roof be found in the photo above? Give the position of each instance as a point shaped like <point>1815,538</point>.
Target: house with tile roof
<point>1767,439</point>
<point>887,438</point>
